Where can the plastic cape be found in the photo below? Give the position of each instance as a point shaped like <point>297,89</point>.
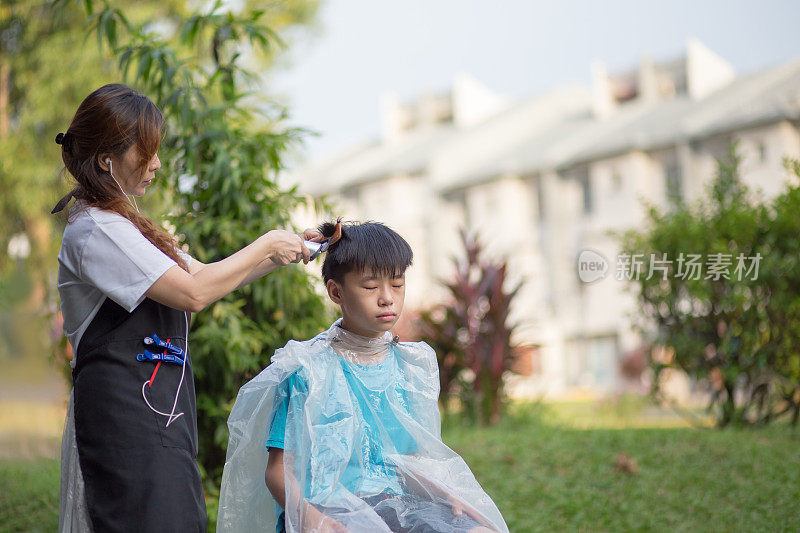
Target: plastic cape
<point>73,510</point>
<point>332,439</point>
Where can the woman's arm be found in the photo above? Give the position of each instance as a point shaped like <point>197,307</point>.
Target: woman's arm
<point>200,287</point>
<point>264,267</point>
<point>259,271</point>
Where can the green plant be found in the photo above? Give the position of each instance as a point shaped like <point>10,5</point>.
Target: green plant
<point>736,329</point>
<point>472,335</point>
<point>37,47</point>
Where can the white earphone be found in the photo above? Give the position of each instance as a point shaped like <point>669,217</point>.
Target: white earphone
<point>111,172</point>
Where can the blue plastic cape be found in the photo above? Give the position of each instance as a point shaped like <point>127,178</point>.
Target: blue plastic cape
<point>358,440</point>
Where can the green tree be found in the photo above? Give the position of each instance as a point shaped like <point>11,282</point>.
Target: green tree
<point>46,69</point>
<point>738,328</point>
<point>37,97</point>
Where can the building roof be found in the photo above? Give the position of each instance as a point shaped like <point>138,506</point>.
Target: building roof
<point>558,130</point>
<point>373,160</point>
<point>750,100</point>
<point>766,96</point>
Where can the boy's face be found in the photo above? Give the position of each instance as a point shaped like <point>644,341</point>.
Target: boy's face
<point>371,303</point>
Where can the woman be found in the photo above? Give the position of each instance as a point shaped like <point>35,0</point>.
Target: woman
<point>130,441</point>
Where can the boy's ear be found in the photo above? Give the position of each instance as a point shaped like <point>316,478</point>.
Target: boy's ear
<point>334,291</point>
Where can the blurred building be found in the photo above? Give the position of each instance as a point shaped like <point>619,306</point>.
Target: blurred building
<point>547,177</point>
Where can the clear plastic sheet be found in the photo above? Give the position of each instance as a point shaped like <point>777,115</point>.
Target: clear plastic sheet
<point>73,512</point>
<point>362,443</point>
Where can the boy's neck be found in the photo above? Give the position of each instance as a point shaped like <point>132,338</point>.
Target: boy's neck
<point>367,334</point>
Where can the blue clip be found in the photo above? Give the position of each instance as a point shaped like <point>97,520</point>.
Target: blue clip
<point>170,348</point>
<point>165,357</point>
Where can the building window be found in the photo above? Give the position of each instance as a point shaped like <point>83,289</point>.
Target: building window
<point>579,177</point>
<point>592,362</point>
<point>603,360</point>
<point>540,199</point>
<point>458,198</point>
<point>586,185</point>
<point>616,181</point>
<point>673,182</point>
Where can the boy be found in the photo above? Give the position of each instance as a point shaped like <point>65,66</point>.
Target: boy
<point>345,426</point>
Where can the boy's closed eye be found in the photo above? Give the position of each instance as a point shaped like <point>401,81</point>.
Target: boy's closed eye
<point>397,283</point>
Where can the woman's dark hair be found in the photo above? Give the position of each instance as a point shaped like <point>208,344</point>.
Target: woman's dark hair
<point>111,120</point>
<point>365,246</point>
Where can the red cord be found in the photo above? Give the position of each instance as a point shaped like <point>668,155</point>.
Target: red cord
<point>154,374</point>
<point>155,371</point>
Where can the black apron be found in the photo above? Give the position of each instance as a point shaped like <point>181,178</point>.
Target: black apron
<point>139,475</point>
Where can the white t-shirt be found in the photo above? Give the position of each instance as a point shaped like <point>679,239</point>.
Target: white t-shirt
<point>103,255</point>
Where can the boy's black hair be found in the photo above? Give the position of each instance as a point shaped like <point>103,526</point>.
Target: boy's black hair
<point>365,246</point>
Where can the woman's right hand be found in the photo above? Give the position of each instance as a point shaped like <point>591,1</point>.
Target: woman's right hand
<point>284,247</point>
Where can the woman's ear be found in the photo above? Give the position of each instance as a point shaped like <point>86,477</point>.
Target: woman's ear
<point>334,291</point>
<point>102,161</point>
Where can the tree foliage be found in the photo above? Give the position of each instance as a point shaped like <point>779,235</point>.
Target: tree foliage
<point>46,69</point>
<point>38,93</point>
<point>736,329</point>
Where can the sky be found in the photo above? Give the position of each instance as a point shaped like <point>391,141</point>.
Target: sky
<point>333,74</point>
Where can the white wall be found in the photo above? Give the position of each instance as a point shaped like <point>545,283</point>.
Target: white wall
<point>773,142</point>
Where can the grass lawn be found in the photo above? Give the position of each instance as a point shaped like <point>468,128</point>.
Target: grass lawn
<point>545,474</point>
<point>29,495</point>
<point>553,468</point>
